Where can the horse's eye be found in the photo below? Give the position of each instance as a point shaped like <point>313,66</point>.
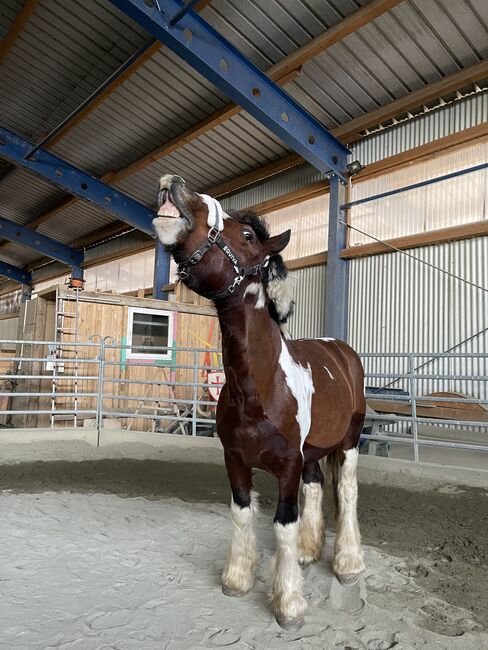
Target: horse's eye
<point>247,234</point>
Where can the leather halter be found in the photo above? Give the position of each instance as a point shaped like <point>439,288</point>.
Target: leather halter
<point>214,237</point>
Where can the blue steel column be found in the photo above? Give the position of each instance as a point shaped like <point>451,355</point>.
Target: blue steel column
<point>337,288</point>
<point>162,260</point>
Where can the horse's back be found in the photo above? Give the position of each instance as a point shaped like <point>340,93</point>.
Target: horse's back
<point>338,385</point>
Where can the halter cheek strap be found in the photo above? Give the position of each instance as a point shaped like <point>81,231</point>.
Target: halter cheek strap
<point>214,237</point>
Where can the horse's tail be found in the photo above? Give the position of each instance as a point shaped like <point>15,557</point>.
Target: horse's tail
<point>332,471</point>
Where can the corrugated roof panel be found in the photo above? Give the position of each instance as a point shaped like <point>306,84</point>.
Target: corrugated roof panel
<point>63,53</point>
<point>18,255</point>
<point>76,221</point>
<point>266,32</point>
<point>164,98</point>
<point>9,10</point>
<point>24,196</point>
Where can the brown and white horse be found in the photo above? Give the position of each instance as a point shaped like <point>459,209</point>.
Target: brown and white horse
<point>285,405</point>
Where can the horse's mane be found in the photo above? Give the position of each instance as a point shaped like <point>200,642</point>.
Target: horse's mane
<point>277,282</point>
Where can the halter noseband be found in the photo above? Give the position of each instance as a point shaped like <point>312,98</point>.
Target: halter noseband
<point>214,237</point>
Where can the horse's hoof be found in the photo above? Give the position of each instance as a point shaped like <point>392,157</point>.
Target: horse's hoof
<point>235,593</point>
<point>349,579</point>
<point>289,623</point>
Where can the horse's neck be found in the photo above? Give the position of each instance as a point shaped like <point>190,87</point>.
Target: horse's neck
<point>251,345</point>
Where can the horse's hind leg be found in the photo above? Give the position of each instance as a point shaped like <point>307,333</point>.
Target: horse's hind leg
<point>312,523</point>
<point>287,589</point>
<point>238,575</point>
<point>348,554</point>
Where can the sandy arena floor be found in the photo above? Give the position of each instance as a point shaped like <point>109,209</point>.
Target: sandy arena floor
<point>124,554</point>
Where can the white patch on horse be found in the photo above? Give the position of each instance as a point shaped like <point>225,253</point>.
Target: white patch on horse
<point>286,592</point>
<point>299,381</point>
<point>238,576</point>
<point>216,214</point>
<point>168,229</point>
<point>328,371</point>
<point>312,525</point>
<point>326,338</point>
<point>348,554</point>
<point>280,291</point>
<point>256,288</point>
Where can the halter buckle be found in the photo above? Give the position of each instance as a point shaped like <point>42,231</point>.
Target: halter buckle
<point>213,235</point>
<point>195,257</point>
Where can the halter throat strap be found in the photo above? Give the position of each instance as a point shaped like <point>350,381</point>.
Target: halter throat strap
<point>214,237</point>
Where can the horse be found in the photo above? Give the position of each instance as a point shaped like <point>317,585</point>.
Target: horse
<point>286,404</point>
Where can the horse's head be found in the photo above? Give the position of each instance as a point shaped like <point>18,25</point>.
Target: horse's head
<point>218,254</point>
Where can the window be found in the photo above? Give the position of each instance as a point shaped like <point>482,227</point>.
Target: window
<point>150,327</point>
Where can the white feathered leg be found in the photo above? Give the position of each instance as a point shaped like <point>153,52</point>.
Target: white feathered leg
<point>238,576</point>
<point>286,593</point>
<point>312,525</point>
<point>348,554</point>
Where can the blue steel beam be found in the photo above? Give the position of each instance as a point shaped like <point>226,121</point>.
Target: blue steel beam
<point>217,60</point>
<point>14,273</point>
<point>162,261</point>
<point>14,148</point>
<point>32,239</point>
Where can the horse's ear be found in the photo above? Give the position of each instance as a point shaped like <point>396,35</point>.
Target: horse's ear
<point>276,244</point>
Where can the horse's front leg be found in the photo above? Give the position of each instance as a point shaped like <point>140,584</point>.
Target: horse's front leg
<point>312,523</point>
<point>287,587</point>
<point>238,575</point>
<point>348,554</point>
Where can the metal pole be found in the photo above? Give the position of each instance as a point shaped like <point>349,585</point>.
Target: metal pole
<point>162,261</point>
<point>195,393</point>
<point>412,382</point>
<point>337,288</point>
<point>99,405</point>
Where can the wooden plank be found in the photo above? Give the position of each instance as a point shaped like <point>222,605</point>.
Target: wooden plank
<point>19,24</point>
<point>350,24</point>
<point>454,233</point>
<point>305,262</point>
<point>427,410</point>
<point>130,301</point>
<point>471,74</point>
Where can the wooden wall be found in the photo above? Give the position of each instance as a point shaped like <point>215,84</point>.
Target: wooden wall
<point>107,315</point>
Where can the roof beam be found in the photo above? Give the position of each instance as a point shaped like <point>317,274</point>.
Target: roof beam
<point>353,130</point>
<point>282,72</point>
<point>15,149</point>
<point>222,64</point>
<point>19,24</point>
<point>14,273</point>
<point>124,72</point>
<point>34,240</point>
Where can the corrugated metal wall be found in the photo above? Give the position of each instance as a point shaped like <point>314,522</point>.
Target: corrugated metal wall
<point>438,123</point>
<point>308,321</point>
<point>400,305</point>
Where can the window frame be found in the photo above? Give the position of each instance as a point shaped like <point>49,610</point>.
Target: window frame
<point>148,355</point>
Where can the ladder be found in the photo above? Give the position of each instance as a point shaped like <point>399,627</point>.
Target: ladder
<point>66,325</point>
